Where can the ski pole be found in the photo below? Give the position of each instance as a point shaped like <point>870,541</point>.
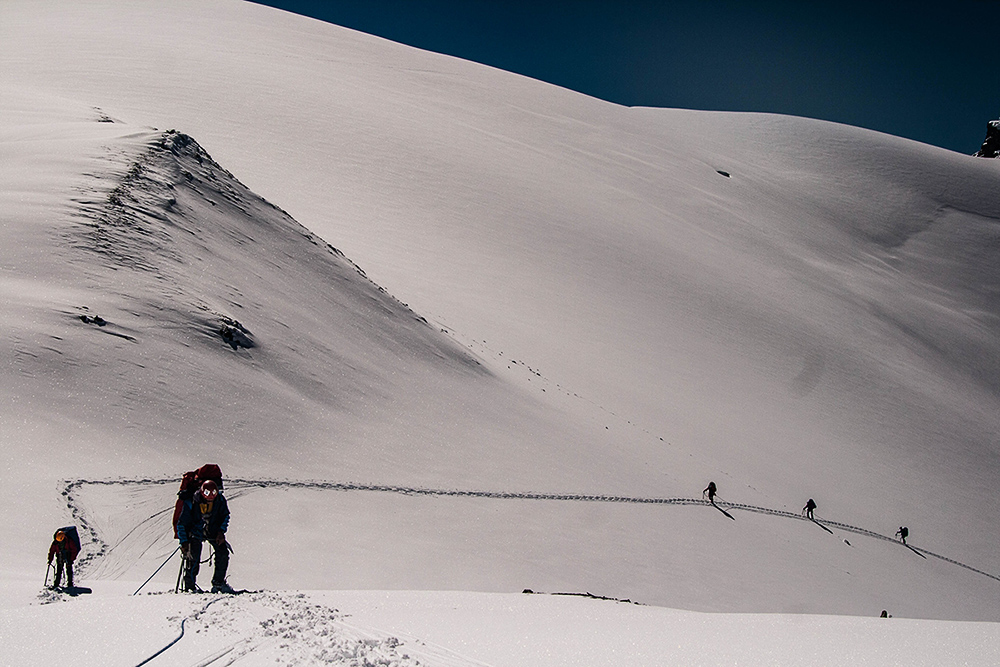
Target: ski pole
<point>157,570</point>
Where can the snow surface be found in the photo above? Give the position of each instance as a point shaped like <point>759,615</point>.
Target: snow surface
<point>501,339</point>
<point>404,628</point>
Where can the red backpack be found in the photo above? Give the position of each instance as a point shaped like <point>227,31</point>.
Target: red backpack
<point>191,482</point>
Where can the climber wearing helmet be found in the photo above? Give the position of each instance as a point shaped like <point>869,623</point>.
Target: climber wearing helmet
<point>65,550</point>
<point>205,517</point>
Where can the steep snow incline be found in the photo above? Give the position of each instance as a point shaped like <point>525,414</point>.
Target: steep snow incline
<point>243,307</point>
<point>831,296</point>
<point>158,313</point>
<point>792,308</point>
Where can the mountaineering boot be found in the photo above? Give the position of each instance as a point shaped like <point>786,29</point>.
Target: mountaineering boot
<point>222,587</point>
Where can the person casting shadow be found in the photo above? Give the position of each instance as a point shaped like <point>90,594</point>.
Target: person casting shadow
<point>65,551</point>
<point>710,492</point>
<point>808,509</point>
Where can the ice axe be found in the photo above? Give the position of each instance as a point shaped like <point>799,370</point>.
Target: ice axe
<point>47,574</point>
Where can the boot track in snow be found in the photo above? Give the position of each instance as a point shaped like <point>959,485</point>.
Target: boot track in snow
<point>98,548</point>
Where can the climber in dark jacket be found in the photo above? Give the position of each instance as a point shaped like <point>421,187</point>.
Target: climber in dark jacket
<point>65,552</point>
<point>808,509</point>
<point>710,490</point>
<point>205,517</point>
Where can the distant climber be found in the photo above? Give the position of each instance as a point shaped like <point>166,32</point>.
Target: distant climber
<point>204,516</point>
<point>903,533</point>
<point>808,509</point>
<point>710,492</point>
<point>65,548</point>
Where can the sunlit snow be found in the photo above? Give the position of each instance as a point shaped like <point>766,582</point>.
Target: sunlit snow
<point>452,334</point>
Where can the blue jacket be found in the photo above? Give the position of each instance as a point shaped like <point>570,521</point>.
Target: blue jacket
<point>200,520</point>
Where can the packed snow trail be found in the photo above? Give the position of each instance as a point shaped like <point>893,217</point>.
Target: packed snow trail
<point>281,628</point>
<point>237,487</point>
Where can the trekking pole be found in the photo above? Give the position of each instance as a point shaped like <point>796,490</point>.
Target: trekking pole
<point>180,571</point>
<point>157,570</point>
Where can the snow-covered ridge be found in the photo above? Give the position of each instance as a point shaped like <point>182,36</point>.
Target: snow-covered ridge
<point>181,260</point>
<point>141,227</point>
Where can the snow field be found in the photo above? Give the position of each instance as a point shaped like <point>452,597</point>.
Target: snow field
<point>255,628</point>
<point>594,310</point>
<point>449,629</point>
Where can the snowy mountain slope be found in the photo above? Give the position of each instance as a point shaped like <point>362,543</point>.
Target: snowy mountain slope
<point>818,321</point>
<point>177,317</point>
<point>553,228</point>
<point>128,240</point>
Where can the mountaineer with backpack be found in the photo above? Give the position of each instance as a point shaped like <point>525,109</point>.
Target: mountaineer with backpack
<point>65,548</point>
<point>203,514</point>
<point>808,509</point>
<point>710,490</point>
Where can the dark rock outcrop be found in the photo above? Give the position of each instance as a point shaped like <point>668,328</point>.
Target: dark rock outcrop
<point>991,145</point>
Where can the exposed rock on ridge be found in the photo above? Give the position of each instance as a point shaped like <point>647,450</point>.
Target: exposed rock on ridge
<point>991,145</point>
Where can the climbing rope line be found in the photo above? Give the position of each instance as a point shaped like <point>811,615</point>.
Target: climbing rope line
<point>176,639</point>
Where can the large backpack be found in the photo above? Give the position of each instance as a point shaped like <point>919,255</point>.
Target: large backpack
<point>191,482</point>
<point>71,534</point>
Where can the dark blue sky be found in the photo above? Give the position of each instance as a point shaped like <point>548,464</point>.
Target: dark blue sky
<point>926,71</point>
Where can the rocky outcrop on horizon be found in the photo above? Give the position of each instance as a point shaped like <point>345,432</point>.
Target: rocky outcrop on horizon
<point>991,145</point>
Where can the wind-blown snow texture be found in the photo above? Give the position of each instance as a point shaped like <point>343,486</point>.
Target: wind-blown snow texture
<point>604,303</point>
